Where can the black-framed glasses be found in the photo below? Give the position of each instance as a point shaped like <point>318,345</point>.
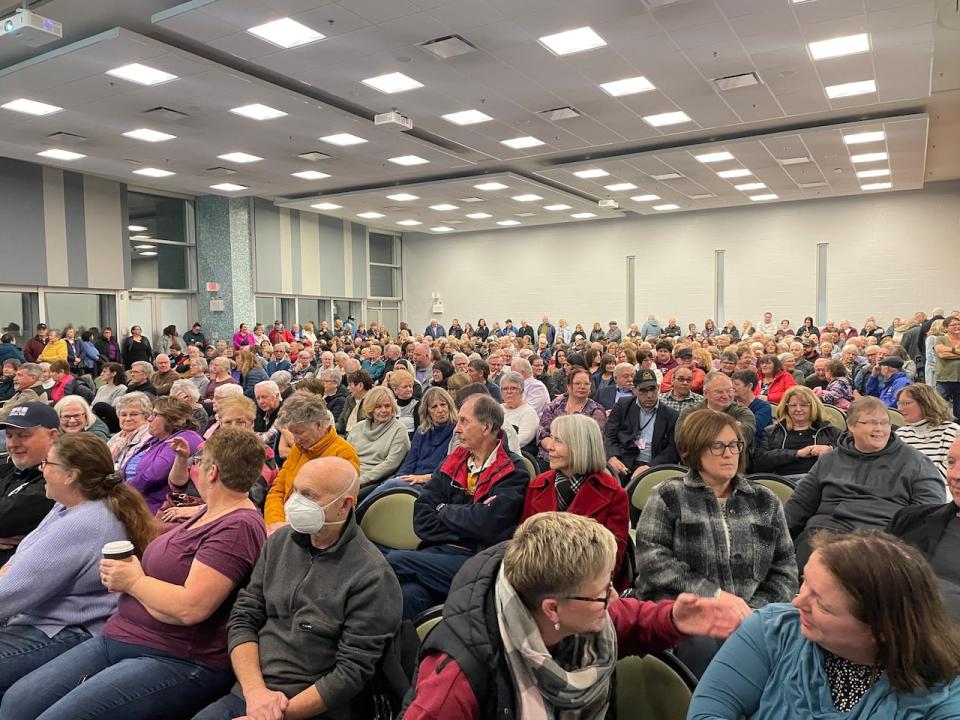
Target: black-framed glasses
<point>611,591</point>
<point>45,462</point>
<point>718,448</point>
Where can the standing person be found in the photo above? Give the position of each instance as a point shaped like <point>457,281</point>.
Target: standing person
<point>55,349</point>
<point>108,347</point>
<point>168,337</point>
<point>136,348</point>
<point>36,344</point>
<point>243,338</point>
<point>194,336</point>
<point>947,349</point>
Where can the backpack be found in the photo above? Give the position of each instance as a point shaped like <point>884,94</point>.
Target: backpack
<point>392,678</point>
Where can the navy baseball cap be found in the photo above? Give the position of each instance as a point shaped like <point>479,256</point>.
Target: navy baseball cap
<point>32,414</point>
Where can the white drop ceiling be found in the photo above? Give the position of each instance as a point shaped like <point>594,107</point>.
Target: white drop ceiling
<point>680,47</point>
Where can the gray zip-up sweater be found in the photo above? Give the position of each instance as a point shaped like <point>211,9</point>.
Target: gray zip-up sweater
<point>320,617</point>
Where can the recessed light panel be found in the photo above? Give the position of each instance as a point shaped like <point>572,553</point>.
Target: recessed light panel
<point>491,186</point>
<point>627,86</point>
<point>228,187</point>
<point>343,139</point>
<point>645,198</point>
<point>521,143</point>
<point>479,216</point>
<point>240,157</point>
<point>765,196</point>
<point>408,160</point>
<point>583,215</point>
<point>441,229</point>
<point>876,186</point>
<point>147,253</point>
<point>868,157</point>
<point>851,89</point>
<point>470,199</point>
<point>839,46</point>
<point>794,160</point>
<point>326,206</point>
<point>392,83</point>
<point>153,172</point>
<point>873,173</point>
<point>572,41</point>
<point>57,154</point>
<point>714,157</point>
<point>286,33</point>
<point>256,111</point>
<point>466,117</point>
<point>141,74</point>
<point>750,186</point>
<point>557,206</point>
<point>735,173</point>
<point>409,223</point>
<point>147,135</point>
<point>527,197</point>
<point>310,175</point>
<point>444,207</point>
<point>370,215</point>
<point>403,197</point>
<point>508,222</point>
<point>667,176</point>
<point>668,206</point>
<point>137,228</point>
<point>144,247</point>
<point>620,187</point>
<point>591,173</point>
<point>31,107</point>
<point>864,137</point>
<point>670,118</point>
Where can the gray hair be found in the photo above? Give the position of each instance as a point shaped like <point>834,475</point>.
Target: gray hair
<point>331,375</point>
<point>426,423</point>
<point>282,378</point>
<point>784,357</point>
<point>69,400</point>
<point>304,409</point>
<point>187,387</point>
<point>33,370</point>
<point>581,435</point>
<point>227,390</point>
<point>460,356</point>
<point>522,366</point>
<point>486,411</point>
<point>137,400</point>
<point>512,377</point>
<point>221,361</point>
<point>202,361</point>
<point>143,366</point>
<point>268,385</point>
<point>624,366</point>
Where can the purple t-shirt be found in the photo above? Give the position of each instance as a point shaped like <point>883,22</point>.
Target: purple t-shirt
<point>230,545</point>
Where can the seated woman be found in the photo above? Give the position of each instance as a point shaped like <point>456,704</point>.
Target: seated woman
<point>250,372</point>
<point>50,590</point>
<point>163,654</point>
<point>76,417</point>
<point>334,393</point>
<point>197,374</point>
<point>533,628</point>
<point>712,532</point>
<point>774,380</point>
<point>604,374</point>
<point>133,409</point>
<point>187,391</point>
<point>114,384</point>
<point>518,412</point>
<point>799,435</point>
<point>930,427</point>
<point>219,395</point>
<point>381,441</point>
<point>597,334</point>
<point>578,482</point>
<point>709,329</point>
<point>575,401</point>
<point>867,637</point>
<point>220,369</point>
<point>839,390</point>
<point>401,384</point>
<point>147,470</point>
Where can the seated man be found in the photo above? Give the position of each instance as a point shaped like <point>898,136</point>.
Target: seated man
<point>622,387</point>
<point>165,376</point>
<point>279,359</point>
<point>474,500</point>
<point>640,430</point>
<point>268,398</point>
<point>744,390</point>
<point>718,395</point>
<point>310,426</point>
<point>819,377</point>
<point>862,484</point>
<point>306,633</point>
<point>684,359</point>
<point>680,395</point>
<point>889,381</point>
<point>374,364</point>
<point>138,378</point>
<point>28,387</point>
<point>535,393</point>
<point>30,430</point>
<point>479,371</point>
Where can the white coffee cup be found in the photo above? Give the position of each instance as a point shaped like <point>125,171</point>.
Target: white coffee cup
<point>118,550</point>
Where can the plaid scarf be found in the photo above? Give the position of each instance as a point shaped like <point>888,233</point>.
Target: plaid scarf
<point>545,690</point>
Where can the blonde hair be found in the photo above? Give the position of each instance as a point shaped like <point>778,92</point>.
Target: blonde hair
<point>400,376</point>
<point>375,396</point>
<point>238,403</point>
<point>245,362</point>
<point>553,553</point>
<point>817,411</point>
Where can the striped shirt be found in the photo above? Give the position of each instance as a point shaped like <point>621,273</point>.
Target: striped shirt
<point>932,440</point>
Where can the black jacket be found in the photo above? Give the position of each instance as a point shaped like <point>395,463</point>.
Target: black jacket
<point>778,451</point>
<point>136,351</point>
<point>103,347</point>
<point>607,396</point>
<point>623,424</point>
<point>922,525</point>
<point>335,402</point>
<point>23,502</point>
<point>192,338</point>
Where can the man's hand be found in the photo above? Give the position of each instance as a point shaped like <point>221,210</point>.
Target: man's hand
<point>640,469</point>
<point>617,465</point>
<point>9,543</point>
<point>693,615</point>
<point>266,704</point>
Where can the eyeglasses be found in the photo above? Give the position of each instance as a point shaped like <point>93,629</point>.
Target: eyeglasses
<point>72,418</point>
<point>682,380</point>
<point>44,463</point>
<point>195,460</point>
<point>580,384</point>
<point>717,448</point>
<point>874,423</point>
<point>605,599</point>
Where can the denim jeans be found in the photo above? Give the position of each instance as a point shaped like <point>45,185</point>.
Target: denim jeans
<point>226,708</point>
<point>103,678</point>
<point>390,485</point>
<point>23,649</point>
<point>424,575</point>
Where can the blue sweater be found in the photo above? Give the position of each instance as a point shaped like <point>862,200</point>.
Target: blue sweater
<point>54,577</point>
<point>427,451</point>
<point>764,414</point>
<point>767,670</point>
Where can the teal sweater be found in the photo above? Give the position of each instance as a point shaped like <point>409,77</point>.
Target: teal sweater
<point>767,670</point>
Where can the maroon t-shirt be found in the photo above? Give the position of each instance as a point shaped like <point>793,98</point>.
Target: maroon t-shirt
<point>230,545</point>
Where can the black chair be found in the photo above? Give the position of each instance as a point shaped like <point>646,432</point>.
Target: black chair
<point>640,488</point>
<point>533,465</point>
<point>427,620</point>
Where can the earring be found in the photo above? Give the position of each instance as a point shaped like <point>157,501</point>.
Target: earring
<point>556,626</point>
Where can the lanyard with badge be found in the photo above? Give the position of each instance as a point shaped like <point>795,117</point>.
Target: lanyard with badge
<point>640,442</point>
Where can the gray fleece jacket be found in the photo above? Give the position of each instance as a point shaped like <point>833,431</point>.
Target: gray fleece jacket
<point>320,617</point>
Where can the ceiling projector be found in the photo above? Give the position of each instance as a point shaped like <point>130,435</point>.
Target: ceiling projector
<point>31,29</point>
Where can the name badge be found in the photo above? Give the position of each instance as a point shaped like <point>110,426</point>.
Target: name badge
<point>642,443</point>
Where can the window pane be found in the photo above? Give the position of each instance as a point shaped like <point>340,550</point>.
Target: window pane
<point>164,218</point>
<point>82,310</point>
<point>166,270</point>
<point>381,248</point>
<point>19,315</point>
<point>382,281</point>
<point>266,312</point>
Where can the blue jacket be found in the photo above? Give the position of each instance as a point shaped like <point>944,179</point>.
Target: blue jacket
<point>9,351</point>
<point>887,391</point>
<point>427,451</point>
<point>439,332</point>
<point>90,356</point>
<point>551,332</point>
<point>651,328</point>
<point>275,365</point>
<point>764,414</point>
<point>249,382</point>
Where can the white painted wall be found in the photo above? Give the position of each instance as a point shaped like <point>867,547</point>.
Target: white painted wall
<point>889,254</point>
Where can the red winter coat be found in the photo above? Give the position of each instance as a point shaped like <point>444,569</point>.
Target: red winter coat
<point>781,382</point>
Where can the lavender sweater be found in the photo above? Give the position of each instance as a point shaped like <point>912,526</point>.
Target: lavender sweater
<point>54,577</point>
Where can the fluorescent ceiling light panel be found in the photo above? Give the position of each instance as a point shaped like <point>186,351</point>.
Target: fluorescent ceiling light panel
<point>873,173</point>
<point>670,118</point>
<point>240,157</point>
<point>256,111</point>
<point>408,160</point>
<point>839,46</point>
<point>153,172</point>
<point>144,247</point>
<point>521,143</point>
<point>137,228</point>
<point>326,206</point>
<point>342,139</point>
<point>876,186</point>
<point>864,137</point>
<point>441,229</point>
<point>525,214</point>
<point>409,222</point>
<point>583,215</point>
<point>851,89</point>
<point>286,33</point>
<point>667,176</point>
<point>557,206</point>
<point>627,86</point>
<point>31,107</point>
<point>527,197</point>
<point>750,186</point>
<point>794,160</point>
<point>403,197</point>
<point>479,216</point>
<point>765,196</point>
<point>620,187</point>
<point>572,41</point>
<point>147,135</point>
<point>310,175</point>
<point>470,199</point>
<point>591,173</point>
<point>370,215</point>
<point>868,157</point>
<point>491,186</point>
<point>508,222</point>
<point>645,198</point>
<point>57,154</point>
<point>140,237</point>
<point>714,157</point>
<point>668,206</point>
<point>141,74</point>
<point>148,253</point>
<point>392,83</point>
<point>738,172</point>
<point>701,196</point>
<point>228,187</point>
<point>466,117</point>
<point>444,207</point>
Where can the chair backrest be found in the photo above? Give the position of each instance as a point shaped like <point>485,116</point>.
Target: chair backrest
<point>836,417</point>
<point>896,419</point>
<point>642,486</point>
<point>531,465</point>
<point>388,520</point>
<point>780,487</point>
<point>650,688</point>
<point>427,620</point>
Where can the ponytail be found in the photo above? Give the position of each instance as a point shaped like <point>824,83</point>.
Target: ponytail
<point>129,507</point>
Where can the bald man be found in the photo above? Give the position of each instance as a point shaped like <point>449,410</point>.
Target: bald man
<point>306,633</point>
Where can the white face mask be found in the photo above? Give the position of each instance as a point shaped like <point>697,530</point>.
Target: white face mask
<point>305,516</point>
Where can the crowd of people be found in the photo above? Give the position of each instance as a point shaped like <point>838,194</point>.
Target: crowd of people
<point>231,475</point>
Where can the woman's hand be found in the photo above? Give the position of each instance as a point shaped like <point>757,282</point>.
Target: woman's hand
<point>120,575</point>
<point>266,704</point>
<point>694,615</point>
<point>176,514</point>
<point>417,479</point>
<point>180,448</point>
